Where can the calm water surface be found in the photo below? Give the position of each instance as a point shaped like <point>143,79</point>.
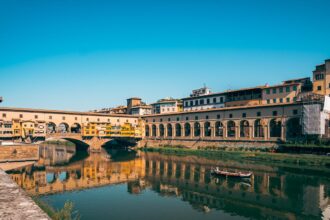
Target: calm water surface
<point>118,184</point>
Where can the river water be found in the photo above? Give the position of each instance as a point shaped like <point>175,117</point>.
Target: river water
<point>123,184</point>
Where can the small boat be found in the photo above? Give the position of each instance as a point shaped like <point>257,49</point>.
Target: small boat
<point>218,172</point>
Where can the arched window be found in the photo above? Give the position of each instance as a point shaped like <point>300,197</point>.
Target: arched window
<point>218,129</point>
<point>293,128</point>
<point>178,130</point>
<point>154,130</point>
<point>244,128</point>
<point>275,127</point>
<point>207,129</point>
<point>169,130</point>
<point>161,130</point>
<point>63,128</point>
<point>147,130</point>
<point>231,131</point>
<point>187,129</point>
<point>76,128</point>
<point>51,127</point>
<point>258,129</point>
<point>197,129</point>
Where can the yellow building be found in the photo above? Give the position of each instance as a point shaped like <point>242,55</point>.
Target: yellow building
<point>321,79</point>
<point>17,129</point>
<point>27,128</point>
<point>96,129</point>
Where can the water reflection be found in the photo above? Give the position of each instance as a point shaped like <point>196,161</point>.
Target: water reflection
<point>272,192</point>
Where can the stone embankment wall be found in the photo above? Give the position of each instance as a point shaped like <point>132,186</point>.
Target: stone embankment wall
<point>15,203</point>
<point>19,153</point>
<point>202,143</point>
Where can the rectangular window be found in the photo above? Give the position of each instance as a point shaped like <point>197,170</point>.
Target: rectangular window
<point>50,117</point>
<point>178,119</point>
<point>196,102</point>
<point>36,116</point>
<point>214,100</point>
<point>63,118</point>
<point>76,118</point>
<point>294,99</point>
<point>295,111</point>
<point>218,116</point>
<point>168,119</point>
<point>274,113</point>
<point>287,89</point>
<point>258,114</point>
<point>201,101</point>
<point>281,100</point>
<point>274,100</point>
<point>206,117</point>
<point>187,118</point>
<point>243,115</point>
<point>294,88</point>
<point>21,115</point>
<point>4,115</point>
<point>186,104</point>
<point>208,101</point>
<point>268,101</point>
<point>281,89</point>
<point>196,117</point>
<point>267,91</point>
<point>319,88</point>
<point>287,99</point>
<point>274,91</point>
<point>191,103</point>
<point>230,115</point>
<point>221,99</point>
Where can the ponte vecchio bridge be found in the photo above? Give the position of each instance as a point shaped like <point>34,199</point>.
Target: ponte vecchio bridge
<point>82,128</point>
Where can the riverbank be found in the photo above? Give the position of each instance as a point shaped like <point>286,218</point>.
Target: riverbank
<point>15,203</point>
<point>246,155</point>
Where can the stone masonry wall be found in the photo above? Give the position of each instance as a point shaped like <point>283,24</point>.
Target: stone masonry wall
<point>19,153</point>
<point>200,143</point>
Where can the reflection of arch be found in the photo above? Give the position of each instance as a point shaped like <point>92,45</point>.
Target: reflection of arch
<point>187,129</point>
<point>275,128</point>
<point>76,128</point>
<point>197,129</point>
<point>63,128</point>
<point>219,129</point>
<point>231,131</point>
<point>154,130</point>
<point>169,130</point>
<point>50,177</point>
<point>63,176</point>
<point>244,128</point>
<point>207,129</point>
<point>161,130</point>
<point>293,128</point>
<point>178,130</point>
<point>51,127</point>
<point>258,129</point>
<point>147,131</point>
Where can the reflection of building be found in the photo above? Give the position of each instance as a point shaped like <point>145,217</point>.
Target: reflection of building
<point>267,195</point>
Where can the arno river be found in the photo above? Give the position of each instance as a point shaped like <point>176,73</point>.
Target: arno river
<point>121,184</point>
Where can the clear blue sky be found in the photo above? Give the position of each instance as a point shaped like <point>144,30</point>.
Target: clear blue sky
<point>81,55</point>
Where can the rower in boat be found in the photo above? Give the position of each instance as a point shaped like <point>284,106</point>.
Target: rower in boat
<point>218,172</point>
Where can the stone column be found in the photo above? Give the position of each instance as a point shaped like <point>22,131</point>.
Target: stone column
<point>192,173</point>
<point>192,130</point>
<point>173,170</point>
<point>183,171</point>
<point>212,129</point>
<point>202,175</point>
<point>251,132</point>
<point>151,166</point>
<point>165,131</point>
<point>165,168</point>
<point>157,167</point>
<point>237,130</point>
<point>225,134</point>
<point>283,130</point>
<point>182,130</point>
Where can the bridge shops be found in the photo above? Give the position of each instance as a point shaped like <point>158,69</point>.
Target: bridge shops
<point>263,123</point>
<point>22,124</point>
